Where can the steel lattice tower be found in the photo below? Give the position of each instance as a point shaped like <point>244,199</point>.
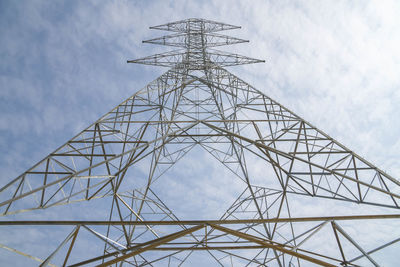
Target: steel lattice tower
<point>197,103</point>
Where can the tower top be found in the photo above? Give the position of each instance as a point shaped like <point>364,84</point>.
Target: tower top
<point>195,37</point>
<point>195,25</point>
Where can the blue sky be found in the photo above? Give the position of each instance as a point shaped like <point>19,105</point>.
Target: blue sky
<point>334,63</point>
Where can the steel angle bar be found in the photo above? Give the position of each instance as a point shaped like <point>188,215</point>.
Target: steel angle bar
<point>274,246</point>
<point>153,244</point>
<point>219,222</point>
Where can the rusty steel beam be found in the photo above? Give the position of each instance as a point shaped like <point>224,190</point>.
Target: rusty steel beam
<point>198,222</point>
<point>273,246</point>
<point>153,244</point>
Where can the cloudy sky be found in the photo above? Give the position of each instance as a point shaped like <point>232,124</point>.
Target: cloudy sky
<point>63,65</point>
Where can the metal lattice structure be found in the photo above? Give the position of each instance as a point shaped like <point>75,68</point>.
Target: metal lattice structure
<point>197,103</point>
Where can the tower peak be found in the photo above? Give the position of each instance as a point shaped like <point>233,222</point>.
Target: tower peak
<point>195,37</point>
<point>195,25</point>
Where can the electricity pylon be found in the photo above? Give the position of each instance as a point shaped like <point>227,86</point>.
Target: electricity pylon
<point>197,103</point>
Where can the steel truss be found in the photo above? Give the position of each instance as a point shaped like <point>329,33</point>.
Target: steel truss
<point>197,103</point>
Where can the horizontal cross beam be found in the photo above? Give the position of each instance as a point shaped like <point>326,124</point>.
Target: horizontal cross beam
<point>203,222</point>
